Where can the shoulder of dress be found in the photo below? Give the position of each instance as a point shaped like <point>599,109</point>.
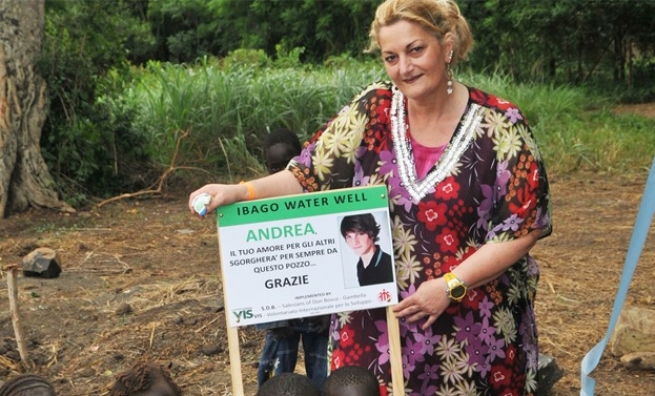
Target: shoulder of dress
<point>495,104</point>
<point>378,88</point>
<point>492,102</point>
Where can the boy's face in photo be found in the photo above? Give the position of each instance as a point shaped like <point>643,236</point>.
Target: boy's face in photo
<point>360,242</point>
<point>278,157</point>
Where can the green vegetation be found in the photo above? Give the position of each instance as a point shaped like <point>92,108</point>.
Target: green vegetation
<point>226,110</point>
<point>88,149</point>
<point>129,79</point>
<point>227,107</point>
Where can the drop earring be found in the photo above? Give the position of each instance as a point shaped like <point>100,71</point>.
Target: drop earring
<point>449,74</point>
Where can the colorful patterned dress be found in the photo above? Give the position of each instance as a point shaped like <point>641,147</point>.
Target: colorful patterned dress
<point>488,186</point>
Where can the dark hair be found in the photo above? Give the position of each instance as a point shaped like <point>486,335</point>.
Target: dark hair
<point>289,384</point>
<point>140,378</point>
<point>364,223</point>
<point>27,385</point>
<point>351,381</point>
<point>280,147</point>
<point>284,136</point>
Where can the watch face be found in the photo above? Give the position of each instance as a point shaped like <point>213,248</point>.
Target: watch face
<point>457,292</point>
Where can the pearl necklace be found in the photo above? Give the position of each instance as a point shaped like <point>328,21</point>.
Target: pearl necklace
<point>449,159</point>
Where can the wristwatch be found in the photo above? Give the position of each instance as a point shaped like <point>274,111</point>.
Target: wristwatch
<point>457,289</point>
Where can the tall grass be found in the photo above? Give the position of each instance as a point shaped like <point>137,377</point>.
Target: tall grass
<point>227,110</point>
<point>226,106</point>
<point>576,129</point>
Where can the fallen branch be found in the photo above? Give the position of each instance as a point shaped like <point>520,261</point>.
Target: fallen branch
<point>156,187</point>
<point>15,315</point>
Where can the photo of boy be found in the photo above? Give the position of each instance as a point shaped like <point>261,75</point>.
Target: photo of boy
<point>361,234</point>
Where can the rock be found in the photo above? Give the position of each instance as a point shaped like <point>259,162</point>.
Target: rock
<point>87,372</point>
<point>215,306</point>
<point>212,349</point>
<point>41,262</point>
<point>634,332</point>
<point>639,360</point>
<point>124,309</point>
<point>548,374</point>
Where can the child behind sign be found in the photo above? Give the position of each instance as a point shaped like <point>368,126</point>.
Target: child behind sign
<point>280,352</point>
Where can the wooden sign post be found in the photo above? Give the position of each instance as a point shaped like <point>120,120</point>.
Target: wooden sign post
<point>12,288</point>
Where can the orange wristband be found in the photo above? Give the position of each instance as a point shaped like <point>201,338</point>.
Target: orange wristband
<point>251,190</point>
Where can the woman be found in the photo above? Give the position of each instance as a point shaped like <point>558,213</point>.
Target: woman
<point>468,200</point>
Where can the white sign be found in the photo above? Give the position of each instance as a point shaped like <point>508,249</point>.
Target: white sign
<point>307,255</point>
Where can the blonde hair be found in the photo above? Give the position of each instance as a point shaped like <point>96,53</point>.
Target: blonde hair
<point>437,17</point>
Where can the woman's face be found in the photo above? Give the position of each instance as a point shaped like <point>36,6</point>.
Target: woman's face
<point>360,242</point>
<point>414,59</point>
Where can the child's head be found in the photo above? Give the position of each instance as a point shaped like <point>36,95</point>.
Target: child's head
<point>144,379</point>
<point>289,384</point>
<point>280,146</point>
<point>27,385</point>
<point>351,381</point>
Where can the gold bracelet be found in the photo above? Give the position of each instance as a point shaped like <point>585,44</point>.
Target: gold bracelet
<point>251,190</point>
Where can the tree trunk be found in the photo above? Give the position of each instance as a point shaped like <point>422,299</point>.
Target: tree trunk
<point>24,177</point>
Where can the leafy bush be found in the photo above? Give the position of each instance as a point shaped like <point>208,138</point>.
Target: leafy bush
<point>256,58</point>
<point>220,112</point>
<point>228,110</point>
<point>231,103</point>
<point>83,141</point>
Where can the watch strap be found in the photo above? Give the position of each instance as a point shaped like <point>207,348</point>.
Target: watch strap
<point>452,282</point>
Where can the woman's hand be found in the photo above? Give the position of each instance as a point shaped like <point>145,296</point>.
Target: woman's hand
<point>491,260</point>
<point>222,194</point>
<point>430,300</point>
<point>275,185</point>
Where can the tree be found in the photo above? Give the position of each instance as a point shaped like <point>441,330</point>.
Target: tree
<point>24,177</point>
<point>88,141</point>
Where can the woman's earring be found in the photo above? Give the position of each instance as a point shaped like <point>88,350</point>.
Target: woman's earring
<point>449,74</point>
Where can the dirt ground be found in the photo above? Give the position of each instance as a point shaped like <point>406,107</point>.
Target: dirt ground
<point>141,281</point>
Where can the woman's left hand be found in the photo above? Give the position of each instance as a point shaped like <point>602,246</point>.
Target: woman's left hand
<point>429,301</point>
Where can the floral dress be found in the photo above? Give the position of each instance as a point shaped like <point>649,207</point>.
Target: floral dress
<point>488,186</point>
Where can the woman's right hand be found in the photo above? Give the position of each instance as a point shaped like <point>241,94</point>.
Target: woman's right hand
<point>275,185</point>
<point>221,194</point>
